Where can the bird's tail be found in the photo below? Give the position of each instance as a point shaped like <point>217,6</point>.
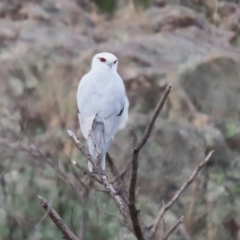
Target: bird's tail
<point>96,144</point>
<point>95,150</point>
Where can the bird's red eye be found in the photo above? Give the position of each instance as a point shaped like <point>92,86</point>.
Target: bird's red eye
<point>102,59</point>
<point>115,62</point>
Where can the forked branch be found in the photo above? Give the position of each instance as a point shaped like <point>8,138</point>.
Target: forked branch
<point>134,213</point>
<point>179,193</point>
<point>101,175</point>
<point>127,206</point>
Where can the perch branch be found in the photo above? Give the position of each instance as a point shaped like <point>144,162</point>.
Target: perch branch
<point>173,228</point>
<point>179,193</point>
<point>113,193</point>
<point>153,118</point>
<point>80,147</point>
<point>67,234</point>
<point>101,174</point>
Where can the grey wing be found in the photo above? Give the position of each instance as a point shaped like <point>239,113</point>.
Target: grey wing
<point>111,126</point>
<point>88,101</point>
<point>124,116</point>
<point>112,118</point>
<point>114,109</point>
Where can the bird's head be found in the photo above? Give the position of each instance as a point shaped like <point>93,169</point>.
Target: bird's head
<point>105,61</point>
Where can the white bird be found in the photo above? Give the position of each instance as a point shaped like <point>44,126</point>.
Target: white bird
<point>102,105</point>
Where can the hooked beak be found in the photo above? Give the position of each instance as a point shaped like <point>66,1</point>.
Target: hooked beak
<point>110,64</point>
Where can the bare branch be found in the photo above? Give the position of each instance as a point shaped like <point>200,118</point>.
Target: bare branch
<point>134,137</point>
<point>86,172</point>
<point>118,200</point>
<point>134,213</point>
<point>131,211</point>
<point>102,176</point>
<point>179,193</point>
<point>119,178</point>
<point>80,147</point>
<point>183,232</point>
<point>111,165</point>
<point>153,118</point>
<point>68,235</point>
<point>173,228</point>
<point>122,175</point>
<point>115,217</point>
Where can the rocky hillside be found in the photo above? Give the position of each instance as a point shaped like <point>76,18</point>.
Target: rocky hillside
<point>45,48</point>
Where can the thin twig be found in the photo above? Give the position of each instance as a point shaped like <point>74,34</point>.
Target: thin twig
<point>86,172</point>
<point>164,224</point>
<point>173,228</point>
<point>122,175</point>
<point>80,167</point>
<point>178,194</point>
<point>111,165</point>
<point>183,232</point>
<point>153,118</point>
<point>113,193</point>
<point>115,217</point>
<point>134,137</point>
<point>119,178</point>
<point>45,213</point>
<point>80,147</point>
<point>67,234</point>
<point>134,213</point>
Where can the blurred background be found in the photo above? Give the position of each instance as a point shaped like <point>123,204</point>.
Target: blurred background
<point>45,48</point>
